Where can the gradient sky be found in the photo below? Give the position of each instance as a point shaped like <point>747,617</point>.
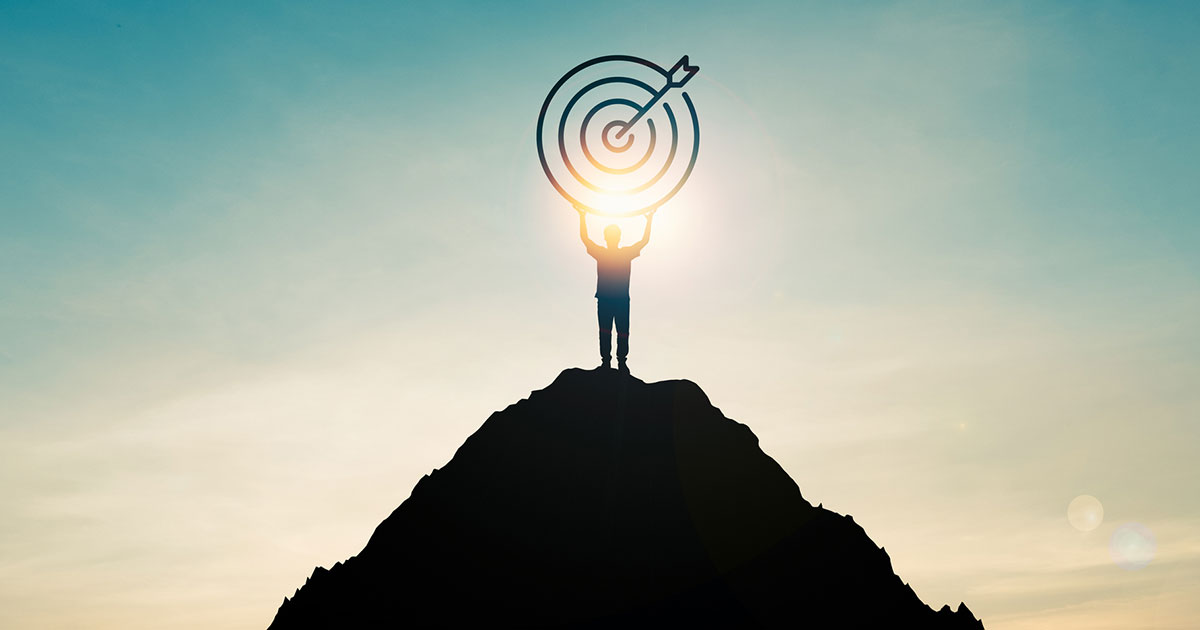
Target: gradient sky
<point>261,269</point>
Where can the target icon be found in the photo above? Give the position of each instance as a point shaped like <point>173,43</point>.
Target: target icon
<point>617,135</point>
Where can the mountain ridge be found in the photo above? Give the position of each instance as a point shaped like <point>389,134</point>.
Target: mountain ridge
<point>603,501</point>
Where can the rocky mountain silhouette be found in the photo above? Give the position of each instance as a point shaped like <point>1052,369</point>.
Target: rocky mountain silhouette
<point>603,501</point>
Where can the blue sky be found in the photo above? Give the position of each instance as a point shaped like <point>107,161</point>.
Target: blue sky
<point>940,257</point>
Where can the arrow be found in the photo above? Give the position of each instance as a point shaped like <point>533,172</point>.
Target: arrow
<point>672,82</point>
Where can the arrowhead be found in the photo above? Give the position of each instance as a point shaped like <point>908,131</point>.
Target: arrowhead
<point>689,71</point>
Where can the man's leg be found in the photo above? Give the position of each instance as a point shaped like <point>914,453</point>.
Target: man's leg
<point>622,320</point>
<point>604,313</point>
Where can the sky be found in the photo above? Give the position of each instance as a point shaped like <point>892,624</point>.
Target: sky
<point>262,268</point>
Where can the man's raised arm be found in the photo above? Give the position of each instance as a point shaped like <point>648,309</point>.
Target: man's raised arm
<point>646,234</point>
<point>583,234</point>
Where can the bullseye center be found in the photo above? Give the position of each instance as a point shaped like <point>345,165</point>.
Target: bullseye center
<point>610,131</point>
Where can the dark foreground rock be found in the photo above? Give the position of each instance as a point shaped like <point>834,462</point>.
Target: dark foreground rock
<point>603,501</point>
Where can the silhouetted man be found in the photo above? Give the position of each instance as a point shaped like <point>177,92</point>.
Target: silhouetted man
<point>613,264</point>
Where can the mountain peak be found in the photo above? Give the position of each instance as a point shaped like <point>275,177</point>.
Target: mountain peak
<point>602,501</point>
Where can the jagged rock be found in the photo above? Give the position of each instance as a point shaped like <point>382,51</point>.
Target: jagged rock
<point>603,501</point>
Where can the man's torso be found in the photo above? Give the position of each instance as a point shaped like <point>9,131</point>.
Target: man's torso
<point>612,272</point>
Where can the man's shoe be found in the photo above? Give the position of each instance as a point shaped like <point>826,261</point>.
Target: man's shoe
<point>621,365</point>
<point>607,364</point>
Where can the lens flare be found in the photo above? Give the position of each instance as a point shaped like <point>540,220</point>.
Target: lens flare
<point>1132,546</point>
<point>1085,513</point>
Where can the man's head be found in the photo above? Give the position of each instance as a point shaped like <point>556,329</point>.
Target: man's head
<point>612,236</point>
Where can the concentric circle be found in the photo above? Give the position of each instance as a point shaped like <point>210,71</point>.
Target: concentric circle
<point>602,164</point>
<point>606,138</point>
